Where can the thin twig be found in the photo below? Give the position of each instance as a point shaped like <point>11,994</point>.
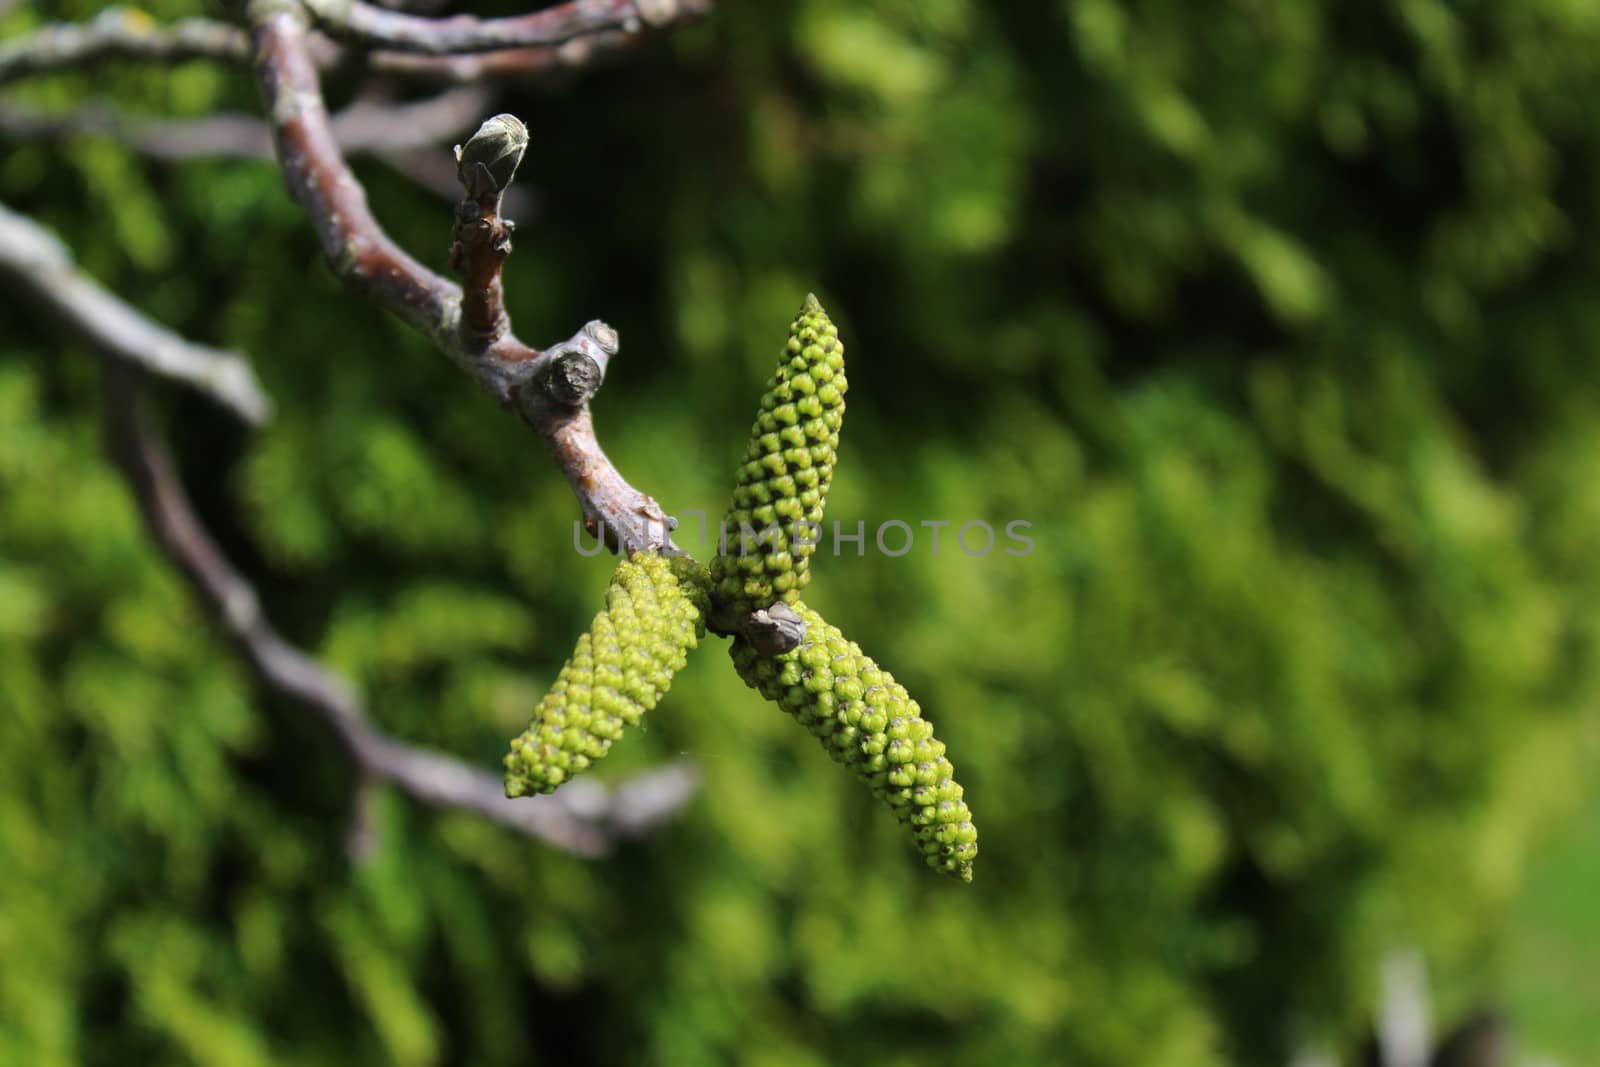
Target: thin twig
<point>39,265</point>
<point>485,166</point>
<point>365,127</point>
<point>406,137</point>
<point>369,125</point>
<point>369,261</point>
<point>426,7</point>
<point>216,136</point>
<point>373,26</point>
<point>119,33</point>
<point>586,822</point>
<point>542,64</point>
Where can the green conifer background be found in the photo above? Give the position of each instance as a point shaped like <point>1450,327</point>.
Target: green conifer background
<point>1276,322</point>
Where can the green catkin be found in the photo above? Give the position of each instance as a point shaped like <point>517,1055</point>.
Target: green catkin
<point>654,614</point>
<point>786,471</point>
<point>867,721</point>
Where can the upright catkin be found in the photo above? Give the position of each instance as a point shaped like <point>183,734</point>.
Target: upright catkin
<point>868,722</point>
<point>775,517</point>
<point>654,614</point>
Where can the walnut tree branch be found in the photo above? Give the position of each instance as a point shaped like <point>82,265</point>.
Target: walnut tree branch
<point>35,263</point>
<point>364,127</point>
<point>405,136</point>
<point>538,64</point>
<point>119,33</point>
<point>376,27</point>
<point>586,822</point>
<point>369,261</point>
<point>418,6</point>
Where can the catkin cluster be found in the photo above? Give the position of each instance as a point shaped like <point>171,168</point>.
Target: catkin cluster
<point>783,479</point>
<point>867,721</point>
<point>655,607</point>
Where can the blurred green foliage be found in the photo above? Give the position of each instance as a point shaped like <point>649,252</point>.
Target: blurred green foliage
<point>1277,323</point>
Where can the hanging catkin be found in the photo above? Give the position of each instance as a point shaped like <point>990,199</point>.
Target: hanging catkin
<point>655,607</point>
<point>868,722</point>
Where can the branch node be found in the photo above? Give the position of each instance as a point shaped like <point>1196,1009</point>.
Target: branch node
<point>573,378</point>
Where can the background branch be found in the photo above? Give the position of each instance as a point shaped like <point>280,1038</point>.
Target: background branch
<point>119,33</point>
<point>365,127</point>
<point>373,25</point>
<point>586,821</point>
<point>405,136</point>
<point>431,169</point>
<point>422,6</point>
<point>39,265</point>
<point>537,64</point>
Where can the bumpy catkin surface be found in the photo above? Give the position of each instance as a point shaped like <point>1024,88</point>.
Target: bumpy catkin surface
<point>868,722</point>
<point>787,469</point>
<point>655,607</point>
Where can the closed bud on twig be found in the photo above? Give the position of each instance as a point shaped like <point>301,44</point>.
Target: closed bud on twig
<point>488,162</point>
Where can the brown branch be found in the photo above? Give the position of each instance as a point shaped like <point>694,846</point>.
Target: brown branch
<point>376,125</point>
<point>40,269</point>
<point>423,6</point>
<point>370,262</point>
<point>586,822</point>
<point>405,136</point>
<point>365,127</point>
<point>219,136</point>
<point>119,33</point>
<point>541,64</point>
<point>317,176</point>
<point>373,26</point>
